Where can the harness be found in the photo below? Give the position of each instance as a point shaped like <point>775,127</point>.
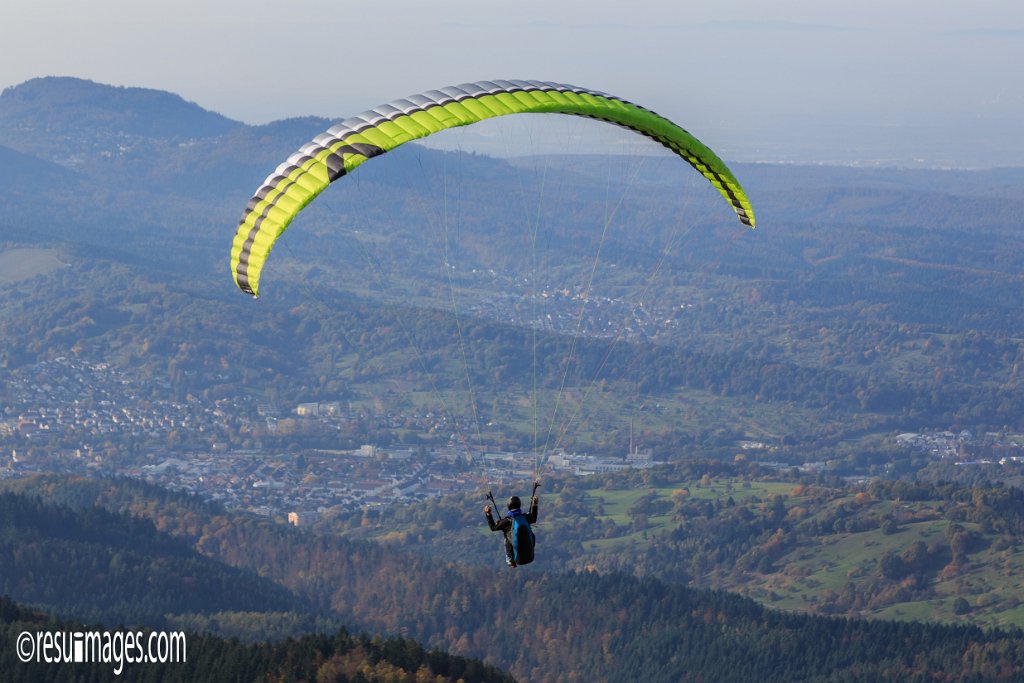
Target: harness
<point>523,539</point>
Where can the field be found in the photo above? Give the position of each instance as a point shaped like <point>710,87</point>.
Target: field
<point>827,551</point>
<point>22,264</point>
<point>819,567</point>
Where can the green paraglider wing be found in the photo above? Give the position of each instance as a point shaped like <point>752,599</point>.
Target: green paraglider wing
<point>348,144</point>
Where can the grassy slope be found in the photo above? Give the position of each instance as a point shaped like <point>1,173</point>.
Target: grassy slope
<point>21,264</point>
<point>807,577</point>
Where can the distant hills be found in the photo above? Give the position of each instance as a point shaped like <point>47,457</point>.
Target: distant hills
<point>149,140</point>
<point>835,301</point>
<point>47,112</point>
<point>137,139</point>
<point>144,140</point>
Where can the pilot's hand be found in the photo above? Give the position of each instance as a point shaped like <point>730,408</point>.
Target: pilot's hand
<point>487,509</point>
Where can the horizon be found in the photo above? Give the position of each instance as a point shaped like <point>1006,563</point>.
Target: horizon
<point>796,82</point>
<point>541,135</point>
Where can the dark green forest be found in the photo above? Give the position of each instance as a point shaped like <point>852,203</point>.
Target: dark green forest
<point>339,657</point>
<point>117,561</point>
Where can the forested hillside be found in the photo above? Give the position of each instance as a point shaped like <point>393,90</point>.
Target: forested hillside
<point>797,541</point>
<point>590,287</point>
<point>94,565</point>
<point>567,626</point>
<point>335,657</point>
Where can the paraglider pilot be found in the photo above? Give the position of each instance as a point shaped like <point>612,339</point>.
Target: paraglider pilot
<point>519,537</point>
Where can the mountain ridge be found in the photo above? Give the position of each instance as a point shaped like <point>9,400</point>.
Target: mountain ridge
<point>66,100</point>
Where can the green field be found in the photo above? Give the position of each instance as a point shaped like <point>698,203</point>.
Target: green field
<point>685,527</point>
<point>22,264</point>
<point>818,567</point>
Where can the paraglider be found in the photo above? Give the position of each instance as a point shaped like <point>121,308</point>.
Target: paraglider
<point>345,146</point>
<point>520,541</point>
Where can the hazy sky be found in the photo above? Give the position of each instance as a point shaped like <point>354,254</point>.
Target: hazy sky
<point>892,80</point>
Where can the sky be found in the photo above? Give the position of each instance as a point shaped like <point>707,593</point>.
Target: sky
<point>885,82</point>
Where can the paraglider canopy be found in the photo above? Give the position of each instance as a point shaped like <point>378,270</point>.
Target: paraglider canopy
<point>343,147</point>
